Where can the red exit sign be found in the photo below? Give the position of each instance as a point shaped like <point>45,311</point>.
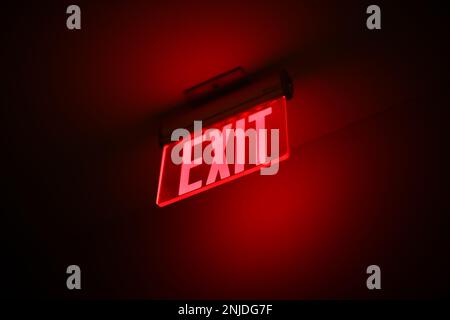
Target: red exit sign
<point>252,140</point>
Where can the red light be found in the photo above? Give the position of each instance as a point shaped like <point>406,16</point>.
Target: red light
<point>240,155</point>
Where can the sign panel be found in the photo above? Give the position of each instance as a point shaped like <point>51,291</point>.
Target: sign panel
<point>253,140</point>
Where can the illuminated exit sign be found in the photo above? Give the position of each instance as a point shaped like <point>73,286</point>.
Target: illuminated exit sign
<point>253,140</point>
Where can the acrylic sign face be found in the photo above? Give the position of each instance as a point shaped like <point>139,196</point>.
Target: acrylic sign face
<point>250,141</point>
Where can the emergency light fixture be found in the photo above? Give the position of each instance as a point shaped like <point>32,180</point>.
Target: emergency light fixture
<point>243,129</point>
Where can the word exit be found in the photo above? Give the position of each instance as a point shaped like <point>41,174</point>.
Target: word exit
<point>253,140</point>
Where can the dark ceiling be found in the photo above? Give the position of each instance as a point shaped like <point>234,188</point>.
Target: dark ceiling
<point>83,109</point>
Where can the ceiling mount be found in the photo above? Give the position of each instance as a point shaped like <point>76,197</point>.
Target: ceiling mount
<point>216,86</point>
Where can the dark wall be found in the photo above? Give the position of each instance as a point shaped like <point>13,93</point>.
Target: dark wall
<point>366,183</point>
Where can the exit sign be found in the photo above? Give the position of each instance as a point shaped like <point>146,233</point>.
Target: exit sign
<point>252,140</point>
